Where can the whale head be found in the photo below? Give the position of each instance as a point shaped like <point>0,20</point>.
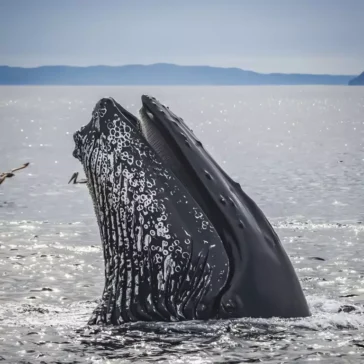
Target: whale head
<point>181,239</point>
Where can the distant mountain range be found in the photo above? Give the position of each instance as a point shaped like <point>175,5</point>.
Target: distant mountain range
<point>357,81</point>
<point>157,74</point>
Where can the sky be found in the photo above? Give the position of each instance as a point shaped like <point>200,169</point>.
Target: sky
<point>300,36</point>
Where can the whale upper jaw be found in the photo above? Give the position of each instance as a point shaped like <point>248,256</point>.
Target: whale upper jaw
<point>262,282</point>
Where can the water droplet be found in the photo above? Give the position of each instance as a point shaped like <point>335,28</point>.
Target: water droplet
<point>222,200</point>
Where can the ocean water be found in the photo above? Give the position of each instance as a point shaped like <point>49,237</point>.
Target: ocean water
<point>297,151</point>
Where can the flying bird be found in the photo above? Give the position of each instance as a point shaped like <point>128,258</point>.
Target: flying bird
<point>5,175</point>
<point>75,181</point>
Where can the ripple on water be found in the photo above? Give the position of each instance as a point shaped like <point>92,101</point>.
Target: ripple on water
<point>53,277</point>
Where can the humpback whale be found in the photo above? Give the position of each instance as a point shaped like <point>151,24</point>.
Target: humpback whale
<point>181,240</point>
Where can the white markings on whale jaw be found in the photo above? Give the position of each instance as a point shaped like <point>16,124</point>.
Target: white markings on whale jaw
<point>148,272</point>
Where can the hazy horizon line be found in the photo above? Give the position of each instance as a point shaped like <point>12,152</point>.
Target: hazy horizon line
<point>177,65</point>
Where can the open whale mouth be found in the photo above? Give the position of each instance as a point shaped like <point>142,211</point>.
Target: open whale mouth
<point>182,152</point>
<point>155,130</point>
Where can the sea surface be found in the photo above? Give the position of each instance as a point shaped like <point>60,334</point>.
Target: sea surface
<point>297,151</point>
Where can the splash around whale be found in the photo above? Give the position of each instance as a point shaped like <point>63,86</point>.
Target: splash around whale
<point>181,240</point>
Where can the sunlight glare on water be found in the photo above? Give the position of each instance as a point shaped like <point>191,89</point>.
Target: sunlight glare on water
<point>297,151</point>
